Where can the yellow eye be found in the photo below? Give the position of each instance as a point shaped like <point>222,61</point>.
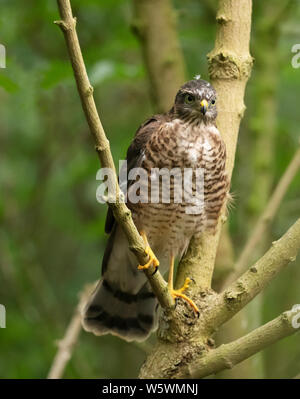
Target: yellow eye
<point>189,99</point>
<point>213,102</point>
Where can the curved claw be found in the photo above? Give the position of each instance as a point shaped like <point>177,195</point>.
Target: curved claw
<point>153,261</point>
<point>179,294</point>
<point>176,303</point>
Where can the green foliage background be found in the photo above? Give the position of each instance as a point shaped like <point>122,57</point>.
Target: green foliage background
<point>51,227</point>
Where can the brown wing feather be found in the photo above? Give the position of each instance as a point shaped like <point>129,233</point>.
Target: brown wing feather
<point>135,153</point>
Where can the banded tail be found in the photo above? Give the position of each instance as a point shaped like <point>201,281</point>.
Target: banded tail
<point>122,303</point>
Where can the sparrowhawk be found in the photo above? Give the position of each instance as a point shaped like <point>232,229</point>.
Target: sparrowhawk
<point>185,137</point>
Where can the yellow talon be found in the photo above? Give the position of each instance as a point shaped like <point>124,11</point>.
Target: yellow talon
<point>184,287</point>
<point>152,258</point>
<point>179,293</point>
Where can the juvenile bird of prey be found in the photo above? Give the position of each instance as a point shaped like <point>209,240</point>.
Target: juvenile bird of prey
<point>185,137</point>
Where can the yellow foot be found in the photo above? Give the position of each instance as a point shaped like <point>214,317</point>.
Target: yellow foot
<point>152,258</point>
<point>152,261</point>
<point>179,294</point>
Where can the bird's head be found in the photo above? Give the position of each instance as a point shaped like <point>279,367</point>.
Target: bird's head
<point>196,101</point>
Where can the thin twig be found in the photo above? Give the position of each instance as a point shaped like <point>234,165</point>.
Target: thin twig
<point>228,355</point>
<point>266,218</point>
<point>66,345</point>
<point>121,213</point>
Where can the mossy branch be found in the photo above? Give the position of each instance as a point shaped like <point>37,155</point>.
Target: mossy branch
<point>226,304</point>
<point>216,309</point>
<point>228,355</point>
<point>229,66</point>
<point>266,218</point>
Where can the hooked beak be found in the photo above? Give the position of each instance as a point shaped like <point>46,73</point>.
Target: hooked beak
<point>203,106</point>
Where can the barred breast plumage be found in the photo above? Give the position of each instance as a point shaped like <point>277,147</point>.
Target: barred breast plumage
<point>170,226</point>
<point>184,138</point>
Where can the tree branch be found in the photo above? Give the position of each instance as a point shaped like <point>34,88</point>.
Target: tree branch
<point>216,309</point>
<point>66,345</point>
<point>228,355</point>
<point>229,68</point>
<point>266,218</point>
<point>155,26</point>
<point>254,280</point>
<point>121,213</point>
<point>182,340</point>
<point>179,338</point>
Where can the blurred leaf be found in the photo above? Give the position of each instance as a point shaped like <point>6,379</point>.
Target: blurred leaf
<point>57,72</point>
<point>8,84</point>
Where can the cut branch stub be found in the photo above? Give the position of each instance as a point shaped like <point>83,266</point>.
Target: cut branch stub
<point>226,65</point>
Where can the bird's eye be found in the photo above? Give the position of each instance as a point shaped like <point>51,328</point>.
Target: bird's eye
<point>189,99</point>
<point>213,102</point>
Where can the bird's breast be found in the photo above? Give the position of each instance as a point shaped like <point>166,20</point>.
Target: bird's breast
<point>175,208</point>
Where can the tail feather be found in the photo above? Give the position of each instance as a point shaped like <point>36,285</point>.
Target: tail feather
<point>122,303</point>
<point>129,316</point>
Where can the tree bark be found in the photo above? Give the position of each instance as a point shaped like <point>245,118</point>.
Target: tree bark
<point>228,355</point>
<point>179,338</point>
<point>155,27</point>
<point>171,359</point>
<point>262,134</point>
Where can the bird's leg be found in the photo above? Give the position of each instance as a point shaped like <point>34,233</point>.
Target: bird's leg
<point>179,293</point>
<point>152,258</point>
